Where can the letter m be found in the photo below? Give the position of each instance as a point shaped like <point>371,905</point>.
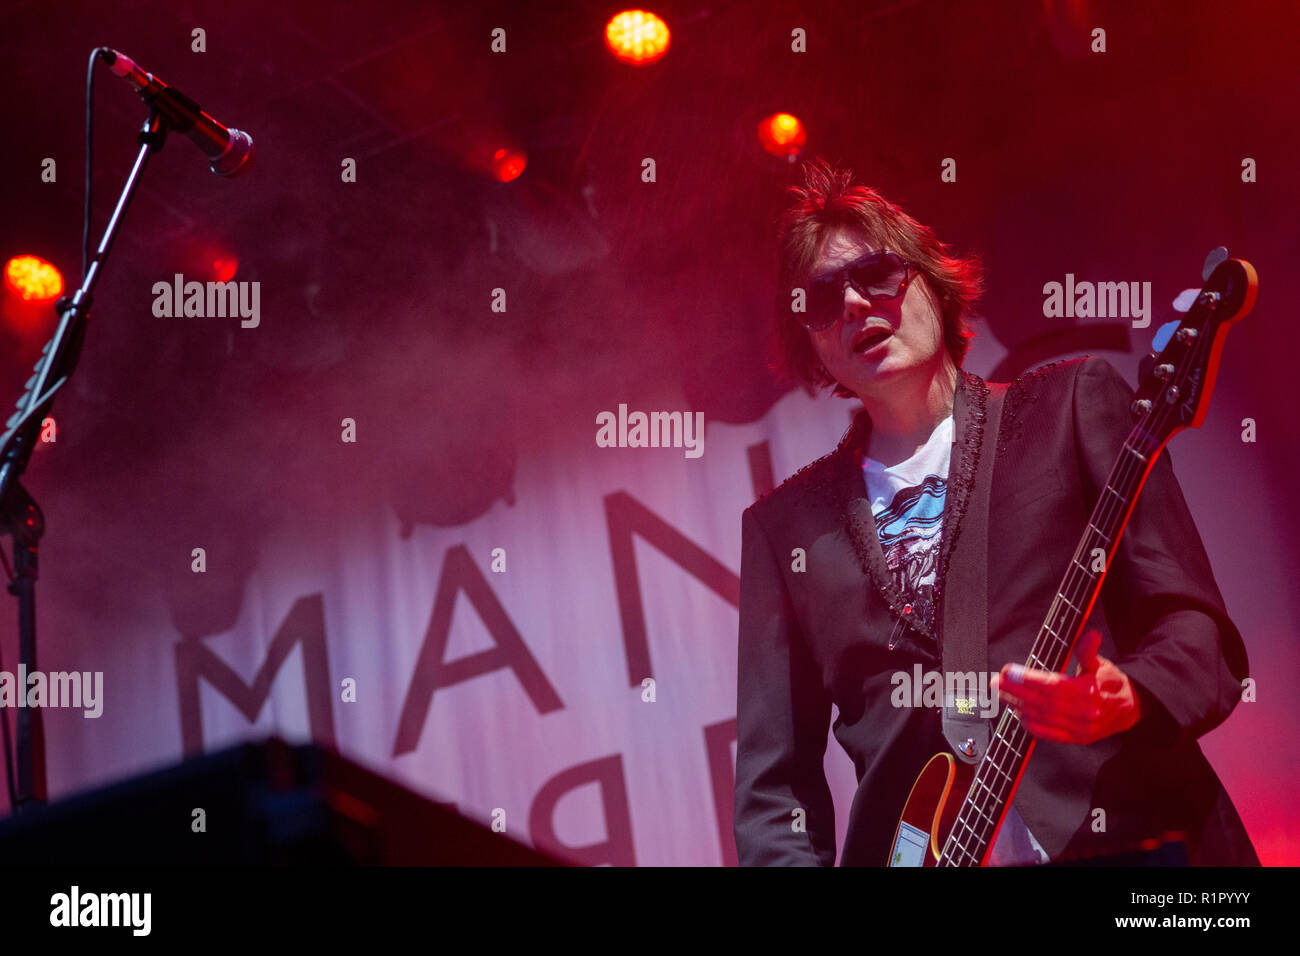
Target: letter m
<point>1112,300</point>
<point>305,626</point>
<point>223,299</point>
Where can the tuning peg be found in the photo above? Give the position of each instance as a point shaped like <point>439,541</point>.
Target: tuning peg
<point>1212,261</point>
<point>1163,335</point>
<point>1185,300</point>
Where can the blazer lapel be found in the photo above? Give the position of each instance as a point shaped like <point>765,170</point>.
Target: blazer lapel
<point>969,411</point>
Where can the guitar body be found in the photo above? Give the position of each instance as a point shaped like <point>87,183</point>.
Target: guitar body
<point>930,811</point>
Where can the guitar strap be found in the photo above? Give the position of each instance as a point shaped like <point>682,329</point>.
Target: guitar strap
<point>965,609</point>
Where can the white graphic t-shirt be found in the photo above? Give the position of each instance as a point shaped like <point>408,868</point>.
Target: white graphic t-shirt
<point>907,501</point>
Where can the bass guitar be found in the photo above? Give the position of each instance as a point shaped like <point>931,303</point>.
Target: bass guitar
<point>955,809</point>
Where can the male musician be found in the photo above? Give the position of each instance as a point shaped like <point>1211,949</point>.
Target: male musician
<point>1115,767</point>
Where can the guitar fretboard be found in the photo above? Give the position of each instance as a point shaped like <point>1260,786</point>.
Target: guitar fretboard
<point>993,786</point>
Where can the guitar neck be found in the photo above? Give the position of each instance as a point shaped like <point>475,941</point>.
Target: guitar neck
<point>977,823</point>
<point>1173,394</point>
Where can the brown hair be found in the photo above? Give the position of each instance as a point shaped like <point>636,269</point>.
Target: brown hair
<point>829,199</point>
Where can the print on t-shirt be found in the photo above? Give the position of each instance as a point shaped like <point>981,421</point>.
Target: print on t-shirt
<point>910,532</point>
<point>907,502</point>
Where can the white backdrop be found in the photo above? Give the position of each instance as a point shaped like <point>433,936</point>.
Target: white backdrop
<point>548,725</point>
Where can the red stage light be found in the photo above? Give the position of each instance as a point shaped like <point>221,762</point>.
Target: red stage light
<point>507,164</point>
<point>782,135</point>
<point>33,279</point>
<point>224,268</point>
<point>638,37</point>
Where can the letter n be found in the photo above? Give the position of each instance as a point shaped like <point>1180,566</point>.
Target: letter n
<point>459,573</point>
<point>627,517</point>
<point>760,468</point>
<point>304,626</point>
<point>718,739</point>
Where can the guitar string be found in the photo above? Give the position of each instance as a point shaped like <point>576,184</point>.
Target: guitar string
<point>1124,471</point>
<point>1002,740</point>
<point>1013,742</point>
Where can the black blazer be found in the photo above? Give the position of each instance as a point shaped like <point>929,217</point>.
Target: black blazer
<point>816,636</point>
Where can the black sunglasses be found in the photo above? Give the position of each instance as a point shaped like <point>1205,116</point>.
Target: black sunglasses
<point>877,277</point>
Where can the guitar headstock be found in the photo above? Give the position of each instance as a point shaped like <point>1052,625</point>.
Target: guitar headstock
<point>1175,391</point>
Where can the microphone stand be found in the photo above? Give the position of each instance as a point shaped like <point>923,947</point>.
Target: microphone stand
<point>20,516</point>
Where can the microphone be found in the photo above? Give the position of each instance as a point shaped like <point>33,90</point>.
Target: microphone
<point>230,150</point>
